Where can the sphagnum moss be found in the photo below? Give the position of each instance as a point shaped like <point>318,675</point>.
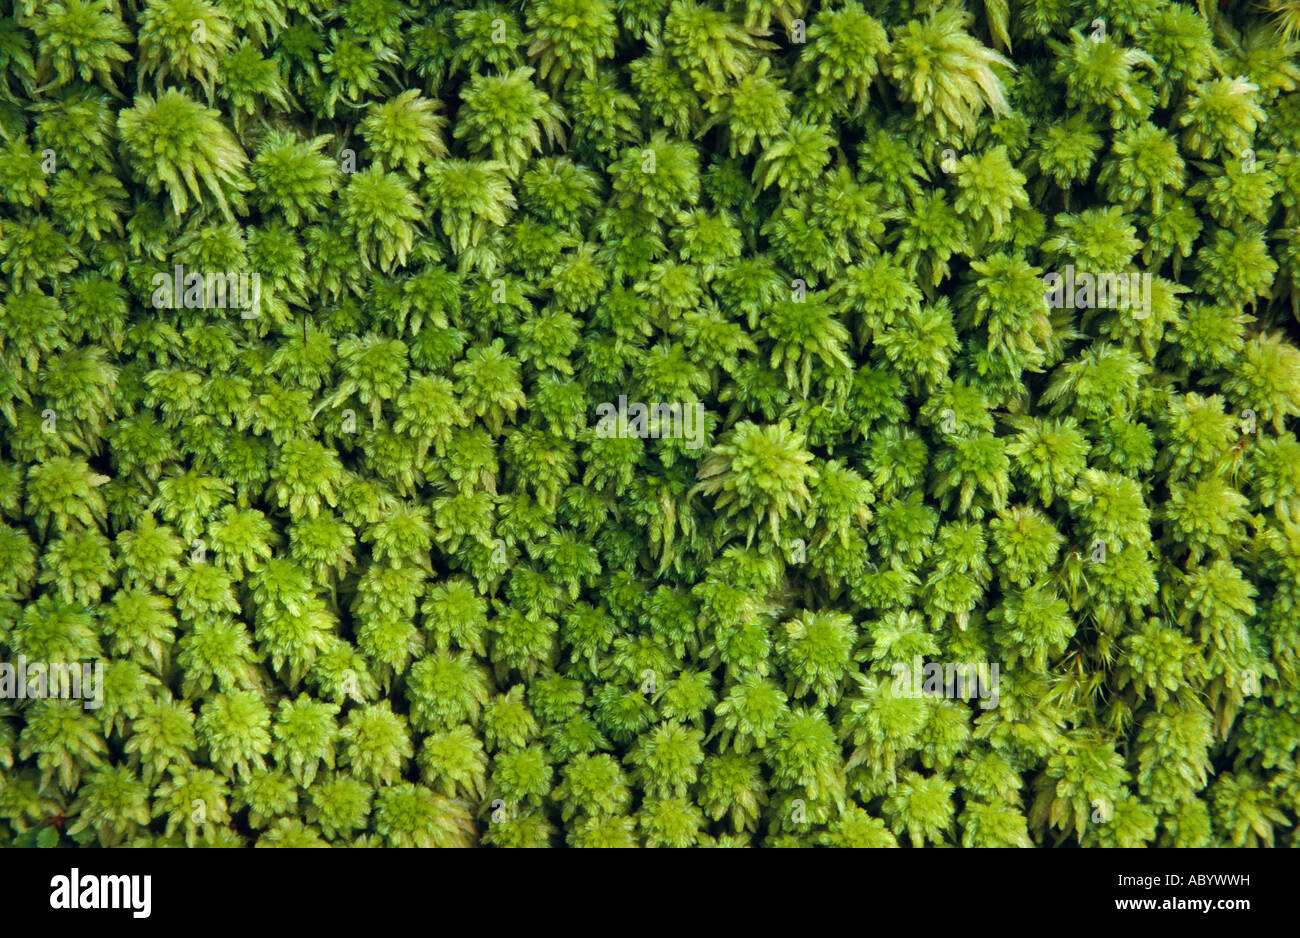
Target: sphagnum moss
<point>988,532</point>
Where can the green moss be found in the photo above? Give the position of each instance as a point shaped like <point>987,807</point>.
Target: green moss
<point>376,546</point>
